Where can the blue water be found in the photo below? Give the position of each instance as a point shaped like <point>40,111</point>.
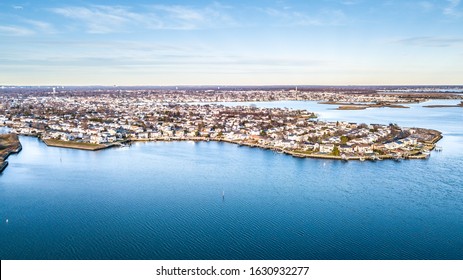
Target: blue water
<point>164,200</point>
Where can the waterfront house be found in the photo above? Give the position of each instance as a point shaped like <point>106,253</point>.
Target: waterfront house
<point>411,141</point>
<point>326,148</point>
<point>363,148</point>
<point>346,149</point>
<point>394,145</point>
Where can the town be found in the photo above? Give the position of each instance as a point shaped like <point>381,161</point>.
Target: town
<point>97,120</point>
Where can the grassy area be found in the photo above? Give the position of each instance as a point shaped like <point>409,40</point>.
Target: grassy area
<point>7,140</point>
<point>303,152</point>
<point>73,144</point>
<point>8,143</point>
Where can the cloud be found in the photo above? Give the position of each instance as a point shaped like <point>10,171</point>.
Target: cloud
<point>426,6</point>
<point>350,2</point>
<point>187,18</point>
<point>291,17</point>
<point>98,19</point>
<point>109,19</point>
<point>180,12</point>
<point>27,27</point>
<point>428,41</point>
<point>12,30</point>
<point>452,8</point>
<point>41,26</point>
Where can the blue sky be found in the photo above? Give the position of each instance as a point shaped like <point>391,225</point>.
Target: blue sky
<point>335,42</point>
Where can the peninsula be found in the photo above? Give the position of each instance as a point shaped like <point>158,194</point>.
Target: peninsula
<point>94,120</point>
<point>445,106</point>
<point>9,144</point>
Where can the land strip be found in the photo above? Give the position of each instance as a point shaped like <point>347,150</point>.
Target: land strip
<point>9,144</point>
<point>76,145</point>
<point>445,106</point>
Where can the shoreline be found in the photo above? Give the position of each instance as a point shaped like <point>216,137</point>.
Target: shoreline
<point>294,153</point>
<point>445,106</point>
<point>298,154</point>
<point>75,145</point>
<point>3,165</point>
<point>14,148</point>
<point>363,106</point>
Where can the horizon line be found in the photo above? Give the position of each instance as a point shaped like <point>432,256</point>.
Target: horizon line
<point>240,85</point>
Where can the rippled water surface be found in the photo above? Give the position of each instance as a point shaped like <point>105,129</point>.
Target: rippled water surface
<point>164,200</point>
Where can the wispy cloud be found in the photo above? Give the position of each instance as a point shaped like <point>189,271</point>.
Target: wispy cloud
<point>12,30</point>
<point>452,8</point>
<point>40,26</point>
<point>185,17</point>
<point>27,27</point>
<point>98,19</point>
<point>291,17</point>
<point>428,41</point>
<point>350,2</point>
<point>426,6</point>
<point>109,19</point>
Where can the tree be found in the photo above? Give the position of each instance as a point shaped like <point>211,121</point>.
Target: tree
<point>363,125</point>
<point>344,139</point>
<point>336,151</point>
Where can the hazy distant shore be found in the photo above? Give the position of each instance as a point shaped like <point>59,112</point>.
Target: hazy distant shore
<point>362,106</point>
<point>444,106</point>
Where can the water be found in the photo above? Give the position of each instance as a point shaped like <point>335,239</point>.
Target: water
<point>164,200</point>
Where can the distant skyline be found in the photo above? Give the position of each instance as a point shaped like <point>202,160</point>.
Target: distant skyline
<point>330,42</point>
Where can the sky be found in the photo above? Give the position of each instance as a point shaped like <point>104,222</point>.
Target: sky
<point>282,42</point>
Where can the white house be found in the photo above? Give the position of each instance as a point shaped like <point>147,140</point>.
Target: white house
<point>326,148</point>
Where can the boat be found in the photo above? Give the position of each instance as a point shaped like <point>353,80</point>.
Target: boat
<point>344,157</point>
<point>362,159</point>
<point>438,149</point>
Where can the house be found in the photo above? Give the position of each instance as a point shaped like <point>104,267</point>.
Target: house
<point>363,148</point>
<point>326,148</point>
<point>143,135</point>
<point>346,149</point>
<point>410,141</point>
<point>393,145</point>
<point>96,139</point>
